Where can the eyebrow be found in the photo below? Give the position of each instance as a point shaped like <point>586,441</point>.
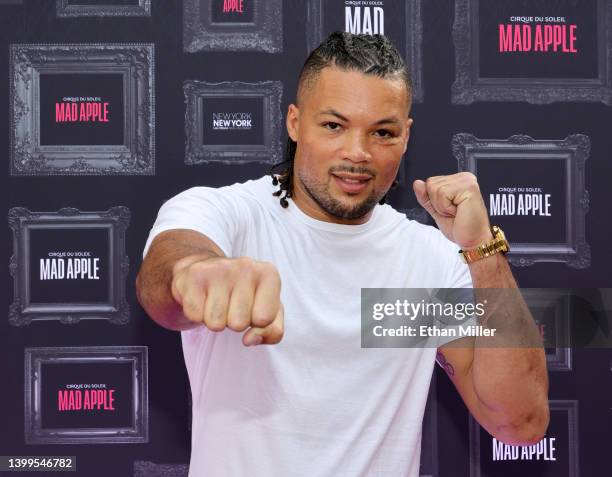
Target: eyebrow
<point>332,112</point>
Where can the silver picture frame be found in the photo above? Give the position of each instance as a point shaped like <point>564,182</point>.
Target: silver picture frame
<point>264,34</point>
<point>572,153</point>
<point>138,432</point>
<point>23,311</point>
<point>196,152</point>
<point>470,87</point>
<point>66,9</point>
<point>145,468</point>
<point>568,406</point>
<point>135,62</point>
<point>559,300</point>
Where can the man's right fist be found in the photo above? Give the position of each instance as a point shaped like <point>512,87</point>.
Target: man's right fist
<point>236,293</point>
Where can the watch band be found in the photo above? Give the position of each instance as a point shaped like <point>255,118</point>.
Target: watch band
<point>499,244</point>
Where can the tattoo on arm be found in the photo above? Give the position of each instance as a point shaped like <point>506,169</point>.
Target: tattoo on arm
<point>445,365</point>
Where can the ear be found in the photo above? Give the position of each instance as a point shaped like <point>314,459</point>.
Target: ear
<point>408,126</point>
<point>293,122</point>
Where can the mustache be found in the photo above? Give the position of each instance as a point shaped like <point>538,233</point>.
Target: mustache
<point>352,170</point>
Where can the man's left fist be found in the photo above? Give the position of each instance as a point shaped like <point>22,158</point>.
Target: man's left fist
<point>456,204</point>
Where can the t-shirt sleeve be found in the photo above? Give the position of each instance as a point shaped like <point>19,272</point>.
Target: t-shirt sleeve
<point>217,213</point>
<point>459,272</point>
<point>458,276</point>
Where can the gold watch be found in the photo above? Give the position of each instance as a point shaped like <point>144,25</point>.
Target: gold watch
<point>497,245</point>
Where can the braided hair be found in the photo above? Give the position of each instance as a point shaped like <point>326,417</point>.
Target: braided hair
<point>368,54</point>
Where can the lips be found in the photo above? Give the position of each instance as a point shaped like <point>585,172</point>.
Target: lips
<point>352,183</point>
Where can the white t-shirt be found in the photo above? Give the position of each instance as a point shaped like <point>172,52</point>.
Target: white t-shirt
<point>316,404</point>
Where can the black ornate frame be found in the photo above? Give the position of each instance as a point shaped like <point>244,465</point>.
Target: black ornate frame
<point>67,10</point>
<point>570,406</point>
<point>469,86</point>
<point>573,151</point>
<point>134,61</point>
<point>145,468</point>
<point>115,220</point>
<point>561,360</point>
<point>414,39</point>
<point>265,33</point>
<point>269,153</point>
<point>137,433</point>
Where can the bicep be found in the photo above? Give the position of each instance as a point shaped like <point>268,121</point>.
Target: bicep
<point>218,214</point>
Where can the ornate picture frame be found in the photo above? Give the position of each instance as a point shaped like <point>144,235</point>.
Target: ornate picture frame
<point>110,355</point>
<point>114,221</point>
<point>66,9</point>
<point>572,152</point>
<point>135,62</point>
<point>470,87</point>
<point>264,34</point>
<point>270,152</point>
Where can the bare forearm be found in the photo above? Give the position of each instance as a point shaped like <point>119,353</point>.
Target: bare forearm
<point>509,370</point>
<point>153,284</point>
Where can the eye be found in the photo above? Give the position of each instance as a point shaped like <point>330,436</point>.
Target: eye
<point>331,126</point>
<point>384,133</point>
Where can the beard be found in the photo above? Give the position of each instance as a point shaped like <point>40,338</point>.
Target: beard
<point>321,195</point>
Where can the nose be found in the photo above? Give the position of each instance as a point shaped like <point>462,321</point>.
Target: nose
<point>356,147</point>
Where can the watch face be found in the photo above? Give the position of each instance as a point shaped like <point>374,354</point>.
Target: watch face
<point>502,244</point>
<point>498,233</point>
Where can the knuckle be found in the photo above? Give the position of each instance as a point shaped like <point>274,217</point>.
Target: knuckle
<point>215,325</point>
<point>196,274</point>
<point>216,317</point>
<point>238,318</point>
<point>216,310</point>
<point>237,322</point>
<point>221,269</point>
<point>266,316</point>
<point>246,274</point>
<point>262,266</point>
<point>469,175</point>
<point>244,262</point>
<point>262,318</point>
<point>270,270</point>
<point>191,310</point>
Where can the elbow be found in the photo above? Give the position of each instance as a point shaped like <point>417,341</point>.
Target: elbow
<point>528,429</point>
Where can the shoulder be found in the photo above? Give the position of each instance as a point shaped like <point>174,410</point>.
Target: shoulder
<point>238,193</point>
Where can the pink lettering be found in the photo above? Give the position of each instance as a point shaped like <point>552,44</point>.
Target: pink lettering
<point>543,38</point>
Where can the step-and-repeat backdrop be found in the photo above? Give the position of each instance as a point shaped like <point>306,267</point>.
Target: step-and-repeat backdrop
<point>113,106</point>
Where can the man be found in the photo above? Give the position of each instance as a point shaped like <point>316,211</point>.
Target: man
<point>240,267</point>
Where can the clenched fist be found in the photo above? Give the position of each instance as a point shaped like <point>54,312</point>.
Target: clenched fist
<point>234,293</point>
<point>456,204</point>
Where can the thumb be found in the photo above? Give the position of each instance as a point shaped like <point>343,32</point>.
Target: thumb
<point>420,191</point>
<point>271,334</point>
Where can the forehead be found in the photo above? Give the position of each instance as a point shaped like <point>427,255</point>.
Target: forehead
<point>356,92</point>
